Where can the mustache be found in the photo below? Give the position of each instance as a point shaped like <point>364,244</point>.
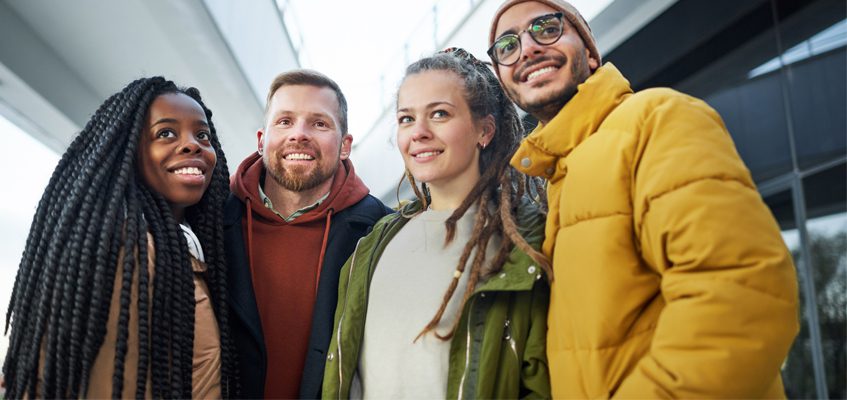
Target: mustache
<point>295,147</point>
<point>561,59</point>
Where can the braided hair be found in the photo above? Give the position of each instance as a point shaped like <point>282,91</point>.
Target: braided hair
<point>95,213</point>
<point>500,187</point>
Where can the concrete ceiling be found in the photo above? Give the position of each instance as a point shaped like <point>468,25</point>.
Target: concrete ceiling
<point>60,59</point>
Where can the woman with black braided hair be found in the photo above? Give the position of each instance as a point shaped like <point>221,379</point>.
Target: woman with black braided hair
<point>474,230</point>
<point>121,288</point>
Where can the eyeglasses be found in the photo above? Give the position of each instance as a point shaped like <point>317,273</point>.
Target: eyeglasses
<point>544,30</point>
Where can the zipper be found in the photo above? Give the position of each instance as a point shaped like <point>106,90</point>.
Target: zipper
<point>343,311</point>
<point>382,234</point>
<point>507,336</point>
<point>467,349</point>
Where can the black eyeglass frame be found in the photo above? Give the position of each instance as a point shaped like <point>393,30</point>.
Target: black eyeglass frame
<point>559,16</point>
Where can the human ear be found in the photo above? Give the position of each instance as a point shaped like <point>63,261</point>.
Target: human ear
<point>593,63</point>
<point>488,126</point>
<point>346,146</point>
<point>261,145</point>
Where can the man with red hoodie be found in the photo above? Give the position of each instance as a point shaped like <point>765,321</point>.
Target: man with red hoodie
<point>296,211</point>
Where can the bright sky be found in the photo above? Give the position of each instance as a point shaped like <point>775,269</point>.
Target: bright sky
<point>354,51</point>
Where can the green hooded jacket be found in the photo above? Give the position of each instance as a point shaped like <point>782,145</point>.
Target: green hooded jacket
<point>498,350</point>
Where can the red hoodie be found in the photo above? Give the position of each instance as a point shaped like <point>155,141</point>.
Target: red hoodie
<point>285,264</point>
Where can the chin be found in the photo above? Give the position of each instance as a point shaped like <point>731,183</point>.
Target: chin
<point>424,177</point>
<point>547,102</point>
<point>185,202</point>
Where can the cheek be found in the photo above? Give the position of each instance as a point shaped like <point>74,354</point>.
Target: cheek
<point>506,73</point>
<point>211,155</point>
<point>145,165</point>
<point>403,142</point>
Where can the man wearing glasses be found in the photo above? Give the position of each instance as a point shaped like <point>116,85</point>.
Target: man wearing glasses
<point>671,277</point>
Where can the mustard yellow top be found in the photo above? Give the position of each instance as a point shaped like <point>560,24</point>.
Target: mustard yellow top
<point>671,277</point>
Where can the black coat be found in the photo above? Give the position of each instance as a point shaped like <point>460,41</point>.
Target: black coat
<point>347,226</point>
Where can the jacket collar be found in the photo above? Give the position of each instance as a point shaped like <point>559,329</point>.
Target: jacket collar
<point>595,98</point>
<point>519,272</point>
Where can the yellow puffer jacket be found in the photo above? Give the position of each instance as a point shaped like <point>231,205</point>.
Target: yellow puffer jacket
<point>671,277</point>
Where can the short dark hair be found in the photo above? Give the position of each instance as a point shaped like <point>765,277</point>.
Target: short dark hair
<point>311,78</point>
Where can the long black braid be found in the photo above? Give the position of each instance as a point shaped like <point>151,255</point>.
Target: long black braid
<point>94,213</point>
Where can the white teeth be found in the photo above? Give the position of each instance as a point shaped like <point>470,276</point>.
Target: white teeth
<point>299,156</point>
<point>532,75</point>
<point>427,154</point>
<point>189,171</point>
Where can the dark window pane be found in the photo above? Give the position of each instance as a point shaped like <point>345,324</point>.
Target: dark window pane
<point>797,372</point>
<point>826,196</point>
<point>752,106</point>
<point>815,63</point>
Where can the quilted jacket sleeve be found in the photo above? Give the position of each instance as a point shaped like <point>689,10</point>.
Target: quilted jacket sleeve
<point>728,280</point>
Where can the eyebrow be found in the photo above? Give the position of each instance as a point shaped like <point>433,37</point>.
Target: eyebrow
<point>510,31</point>
<point>513,31</point>
<point>307,114</point>
<point>175,121</point>
<point>428,106</point>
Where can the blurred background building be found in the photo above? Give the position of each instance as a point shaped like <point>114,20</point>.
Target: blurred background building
<point>776,71</point>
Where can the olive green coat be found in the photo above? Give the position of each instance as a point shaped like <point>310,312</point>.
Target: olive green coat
<point>498,350</point>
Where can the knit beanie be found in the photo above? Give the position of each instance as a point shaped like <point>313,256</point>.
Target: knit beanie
<point>571,13</point>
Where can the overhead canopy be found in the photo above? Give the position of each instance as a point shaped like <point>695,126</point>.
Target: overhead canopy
<point>60,59</point>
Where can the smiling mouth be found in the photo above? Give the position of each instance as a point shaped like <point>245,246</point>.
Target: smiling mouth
<point>426,154</point>
<point>188,171</point>
<point>542,71</point>
<point>298,157</point>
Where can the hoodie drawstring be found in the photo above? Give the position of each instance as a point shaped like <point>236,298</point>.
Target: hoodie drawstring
<point>323,250</point>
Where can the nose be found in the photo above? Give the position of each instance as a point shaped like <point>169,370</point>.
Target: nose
<point>298,134</point>
<point>190,144</point>
<point>529,48</point>
<point>421,132</point>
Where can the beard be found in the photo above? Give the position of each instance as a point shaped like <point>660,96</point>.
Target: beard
<point>545,108</point>
<point>298,178</point>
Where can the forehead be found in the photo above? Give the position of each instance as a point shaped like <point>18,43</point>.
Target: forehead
<point>304,99</point>
<point>427,87</point>
<point>175,104</point>
<point>518,17</point>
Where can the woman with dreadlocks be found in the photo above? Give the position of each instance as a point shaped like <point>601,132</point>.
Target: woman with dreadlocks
<point>448,297</point>
<point>120,291</point>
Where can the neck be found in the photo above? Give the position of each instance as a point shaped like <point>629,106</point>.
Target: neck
<point>288,201</point>
<point>178,213</point>
<point>450,195</point>
<point>545,113</point>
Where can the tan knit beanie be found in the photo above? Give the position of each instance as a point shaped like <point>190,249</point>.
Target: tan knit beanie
<point>571,13</point>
